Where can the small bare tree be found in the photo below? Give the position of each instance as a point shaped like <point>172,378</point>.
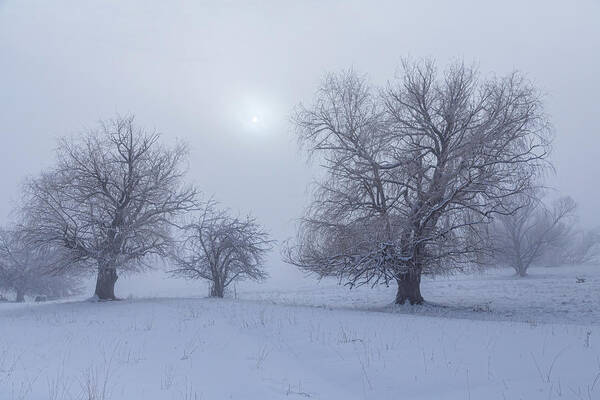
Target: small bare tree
<point>221,249</point>
<point>109,202</point>
<point>525,236</point>
<point>411,169</point>
<point>582,248</point>
<point>25,270</point>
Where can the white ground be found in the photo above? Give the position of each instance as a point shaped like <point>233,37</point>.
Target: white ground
<point>316,341</point>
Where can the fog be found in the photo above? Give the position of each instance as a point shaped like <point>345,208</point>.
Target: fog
<point>449,275</point>
<point>201,71</point>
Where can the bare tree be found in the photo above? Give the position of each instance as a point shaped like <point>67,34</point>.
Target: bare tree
<point>25,270</point>
<point>524,237</point>
<point>583,247</point>
<point>109,201</point>
<point>412,169</point>
<point>221,249</point>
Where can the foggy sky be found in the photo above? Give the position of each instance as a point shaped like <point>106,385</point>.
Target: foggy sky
<point>200,70</point>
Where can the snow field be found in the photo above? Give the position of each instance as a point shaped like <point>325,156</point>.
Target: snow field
<point>199,348</point>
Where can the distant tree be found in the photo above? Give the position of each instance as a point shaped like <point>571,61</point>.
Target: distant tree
<point>581,247</point>
<point>412,169</point>
<point>584,248</point>
<point>522,238</point>
<point>109,201</point>
<point>27,271</point>
<point>222,249</point>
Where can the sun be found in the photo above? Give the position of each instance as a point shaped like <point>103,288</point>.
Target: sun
<point>255,119</point>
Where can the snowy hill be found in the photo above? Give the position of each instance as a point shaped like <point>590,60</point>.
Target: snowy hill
<point>319,342</point>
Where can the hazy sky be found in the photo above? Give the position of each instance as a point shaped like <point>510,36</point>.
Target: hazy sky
<point>200,71</point>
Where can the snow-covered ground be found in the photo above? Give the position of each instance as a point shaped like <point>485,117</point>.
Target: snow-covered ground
<point>547,295</point>
<point>487,336</point>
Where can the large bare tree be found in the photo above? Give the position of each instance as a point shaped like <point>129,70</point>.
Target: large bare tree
<point>109,201</point>
<point>221,248</point>
<point>411,169</point>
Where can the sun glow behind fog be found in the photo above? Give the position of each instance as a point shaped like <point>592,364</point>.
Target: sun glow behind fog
<point>254,119</point>
<point>258,115</point>
<point>254,124</point>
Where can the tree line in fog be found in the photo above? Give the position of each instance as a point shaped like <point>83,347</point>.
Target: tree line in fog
<point>439,170</point>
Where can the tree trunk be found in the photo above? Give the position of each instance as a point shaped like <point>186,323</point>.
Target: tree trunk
<point>521,270</point>
<point>217,290</point>
<point>20,296</point>
<point>105,283</point>
<point>409,288</point>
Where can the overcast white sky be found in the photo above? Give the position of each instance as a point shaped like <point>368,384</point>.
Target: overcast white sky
<point>200,70</point>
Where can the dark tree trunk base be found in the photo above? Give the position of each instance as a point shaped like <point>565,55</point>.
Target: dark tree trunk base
<point>20,297</point>
<point>521,270</point>
<point>105,284</point>
<point>216,291</point>
<point>409,289</point>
